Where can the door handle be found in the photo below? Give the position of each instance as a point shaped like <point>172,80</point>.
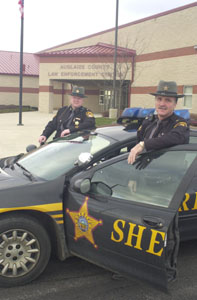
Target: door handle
<point>153,222</point>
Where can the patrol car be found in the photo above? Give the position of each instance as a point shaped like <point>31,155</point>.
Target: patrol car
<point>78,196</point>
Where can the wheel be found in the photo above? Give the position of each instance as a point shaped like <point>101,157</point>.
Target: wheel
<point>24,249</point>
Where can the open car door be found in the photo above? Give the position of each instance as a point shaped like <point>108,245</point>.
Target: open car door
<point>125,217</point>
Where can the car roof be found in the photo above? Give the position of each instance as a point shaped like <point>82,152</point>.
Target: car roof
<point>118,133</point>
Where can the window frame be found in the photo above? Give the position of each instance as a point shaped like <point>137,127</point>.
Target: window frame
<point>180,186</point>
<point>105,94</point>
<point>186,94</point>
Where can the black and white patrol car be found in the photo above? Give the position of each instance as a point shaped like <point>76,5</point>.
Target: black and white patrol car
<point>78,196</point>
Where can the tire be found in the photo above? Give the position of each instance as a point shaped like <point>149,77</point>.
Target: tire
<point>25,249</point>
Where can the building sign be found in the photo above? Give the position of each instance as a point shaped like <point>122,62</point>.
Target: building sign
<point>82,71</point>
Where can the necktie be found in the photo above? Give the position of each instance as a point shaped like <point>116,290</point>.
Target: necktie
<point>154,129</point>
<point>67,123</point>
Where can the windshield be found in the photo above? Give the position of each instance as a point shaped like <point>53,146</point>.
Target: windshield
<point>57,158</point>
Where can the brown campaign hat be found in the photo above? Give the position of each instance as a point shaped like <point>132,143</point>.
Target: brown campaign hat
<point>167,88</point>
<point>78,91</point>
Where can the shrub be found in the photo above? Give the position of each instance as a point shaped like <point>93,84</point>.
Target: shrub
<point>15,108</point>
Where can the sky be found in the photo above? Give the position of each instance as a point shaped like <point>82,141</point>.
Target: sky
<point>48,23</point>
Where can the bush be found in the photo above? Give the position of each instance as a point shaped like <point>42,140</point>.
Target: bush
<point>15,108</point>
<point>104,121</point>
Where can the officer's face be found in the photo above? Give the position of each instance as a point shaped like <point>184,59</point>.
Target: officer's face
<point>164,106</point>
<point>76,102</point>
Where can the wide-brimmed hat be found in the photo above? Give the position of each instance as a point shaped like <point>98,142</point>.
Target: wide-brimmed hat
<point>167,88</point>
<point>78,91</point>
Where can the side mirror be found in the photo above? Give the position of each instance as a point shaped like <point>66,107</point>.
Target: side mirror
<point>30,148</point>
<point>101,188</point>
<point>84,158</point>
<point>82,185</point>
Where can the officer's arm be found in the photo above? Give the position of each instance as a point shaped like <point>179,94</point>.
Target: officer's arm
<point>179,134</point>
<point>51,126</point>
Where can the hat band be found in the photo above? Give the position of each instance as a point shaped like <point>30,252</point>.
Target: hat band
<point>78,95</point>
<point>166,92</point>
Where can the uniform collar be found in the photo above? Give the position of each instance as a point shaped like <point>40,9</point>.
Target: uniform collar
<point>76,109</point>
<point>171,117</point>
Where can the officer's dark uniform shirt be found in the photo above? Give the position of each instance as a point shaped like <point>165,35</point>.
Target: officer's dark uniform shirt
<point>171,131</point>
<point>67,118</point>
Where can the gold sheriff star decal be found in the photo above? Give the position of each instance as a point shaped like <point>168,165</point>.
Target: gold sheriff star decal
<point>84,223</point>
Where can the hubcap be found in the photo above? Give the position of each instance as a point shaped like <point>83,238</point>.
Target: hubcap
<point>19,252</point>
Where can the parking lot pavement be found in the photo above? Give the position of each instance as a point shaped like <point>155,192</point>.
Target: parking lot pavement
<point>14,137</point>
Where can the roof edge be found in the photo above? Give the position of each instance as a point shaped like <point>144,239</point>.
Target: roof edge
<point>9,51</point>
<point>104,45</point>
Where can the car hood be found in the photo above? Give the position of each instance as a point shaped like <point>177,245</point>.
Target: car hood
<point>4,175</point>
<point>11,179</point>
<point>17,190</point>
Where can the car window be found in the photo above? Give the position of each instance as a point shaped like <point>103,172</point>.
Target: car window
<point>152,180</point>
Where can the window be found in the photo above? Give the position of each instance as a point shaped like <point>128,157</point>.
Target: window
<point>101,98</point>
<point>153,184</point>
<point>105,96</point>
<point>188,91</point>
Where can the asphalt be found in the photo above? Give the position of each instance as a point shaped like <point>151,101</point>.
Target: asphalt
<point>15,138</point>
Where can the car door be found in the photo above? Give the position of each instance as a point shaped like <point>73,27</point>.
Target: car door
<point>188,210</point>
<point>133,230</point>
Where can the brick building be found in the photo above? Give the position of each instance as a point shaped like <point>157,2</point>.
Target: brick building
<point>9,78</point>
<point>162,46</point>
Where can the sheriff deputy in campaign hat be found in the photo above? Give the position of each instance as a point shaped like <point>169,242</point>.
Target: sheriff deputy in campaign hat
<point>70,118</point>
<point>165,128</point>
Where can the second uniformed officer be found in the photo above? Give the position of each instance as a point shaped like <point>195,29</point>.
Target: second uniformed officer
<point>70,118</point>
<point>165,129</point>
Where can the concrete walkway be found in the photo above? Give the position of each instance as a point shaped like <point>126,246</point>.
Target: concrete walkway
<point>14,138</point>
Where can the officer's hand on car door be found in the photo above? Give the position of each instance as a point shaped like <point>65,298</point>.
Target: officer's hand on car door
<point>135,151</point>
<point>65,132</point>
<point>42,139</point>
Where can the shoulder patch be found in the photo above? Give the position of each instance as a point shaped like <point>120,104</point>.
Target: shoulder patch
<point>184,124</point>
<point>150,117</point>
<point>89,114</point>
